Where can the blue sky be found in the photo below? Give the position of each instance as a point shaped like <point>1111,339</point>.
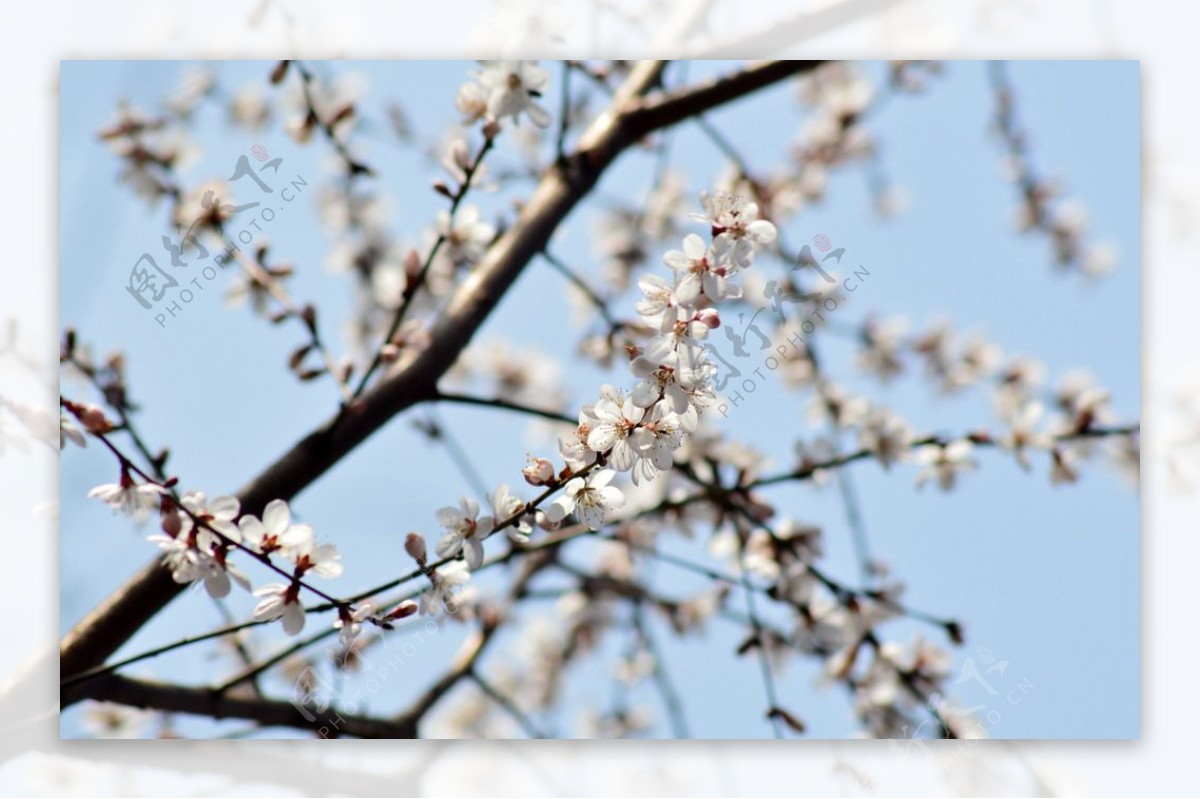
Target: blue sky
<point>1045,578</point>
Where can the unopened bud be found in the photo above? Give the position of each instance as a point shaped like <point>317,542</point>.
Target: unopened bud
<point>709,318</point>
<point>539,472</point>
<point>389,353</point>
<point>403,610</point>
<point>171,523</point>
<point>414,545</point>
<point>94,419</point>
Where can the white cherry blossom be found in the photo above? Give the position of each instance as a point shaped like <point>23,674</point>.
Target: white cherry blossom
<point>617,417</point>
<point>588,498</point>
<point>512,88</point>
<point>463,531</point>
<point>216,519</point>
<point>319,559</point>
<point>573,446</point>
<point>685,332</point>
<point>698,272</point>
<point>505,504</point>
<point>189,564</point>
<point>275,532</point>
<point>349,623</point>
<point>655,442</point>
<point>658,302</point>
<point>281,601</point>
<point>133,499</point>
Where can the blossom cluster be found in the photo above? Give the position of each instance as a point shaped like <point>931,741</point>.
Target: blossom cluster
<point>637,431</point>
<point>199,534</point>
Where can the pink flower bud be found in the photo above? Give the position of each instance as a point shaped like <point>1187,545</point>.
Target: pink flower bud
<point>403,610</point>
<point>171,523</point>
<point>94,419</point>
<point>389,353</point>
<point>709,318</point>
<point>414,545</point>
<point>539,472</point>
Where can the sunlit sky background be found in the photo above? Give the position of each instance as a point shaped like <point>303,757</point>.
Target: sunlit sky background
<point>1046,578</point>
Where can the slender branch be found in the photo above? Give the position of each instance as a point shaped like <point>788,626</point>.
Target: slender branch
<point>666,688</point>
<point>564,116</point>
<point>354,167</point>
<point>764,657</point>
<point>440,433</point>
<point>596,300</point>
<point>411,290</point>
<point>496,402</point>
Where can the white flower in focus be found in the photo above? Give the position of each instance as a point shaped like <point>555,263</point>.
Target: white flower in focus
<point>320,559</point>
<point>657,303</point>
<point>215,518</point>
<point>219,575</point>
<point>655,442</point>
<point>733,218</point>
<point>275,532</point>
<point>132,499</point>
<point>683,335</point>
<point>281,601</point>
<point>588,498</point>
<point>189,564</point>
<point>945,462</point>
<point>573,446</point>
<point>512,87</point>
<point>505,505</point>
<point>618,417</point>
<point>464,532</point>
<point>697,272</point>
<point>681,383</point>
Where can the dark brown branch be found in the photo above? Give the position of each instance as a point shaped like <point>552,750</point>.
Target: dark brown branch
<point>267,713</point>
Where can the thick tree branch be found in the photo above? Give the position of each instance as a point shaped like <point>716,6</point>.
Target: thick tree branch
<point>628,119</point>
<point>268,713</point>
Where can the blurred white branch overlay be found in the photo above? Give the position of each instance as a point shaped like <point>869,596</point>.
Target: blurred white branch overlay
<point>32,760</point>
